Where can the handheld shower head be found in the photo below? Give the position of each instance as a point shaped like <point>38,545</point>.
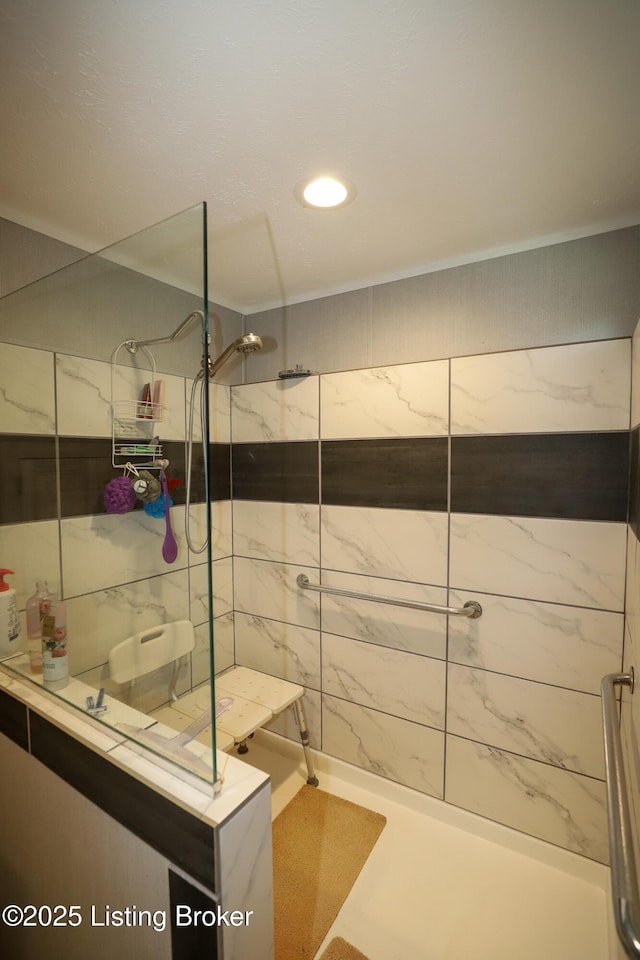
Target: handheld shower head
<point>249,343</point>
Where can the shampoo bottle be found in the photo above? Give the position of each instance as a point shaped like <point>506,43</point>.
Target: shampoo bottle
<point>38,606</point>
<point>9,623</point>
<point>55,665</point>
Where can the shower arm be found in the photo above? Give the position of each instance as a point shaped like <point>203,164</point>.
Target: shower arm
<point>133,345</point>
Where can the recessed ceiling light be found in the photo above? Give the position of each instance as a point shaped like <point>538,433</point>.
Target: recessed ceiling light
<point>325,192</point>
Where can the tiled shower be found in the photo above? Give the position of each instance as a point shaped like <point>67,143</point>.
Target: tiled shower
<point>500,478</point>
<point>489,461</point>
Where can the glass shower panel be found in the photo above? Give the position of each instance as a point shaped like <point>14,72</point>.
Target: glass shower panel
<point>93,430</point>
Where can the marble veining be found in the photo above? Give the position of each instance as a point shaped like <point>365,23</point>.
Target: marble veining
<point>27,403</point>
<point>270,590</point>
<point>223,649</point>
<point>401,684</point>
<point>20,543</point>
<point>111,549</point>
<point>400,750</point>
<point>219,412</point>
<point>575,387</point>
<point>285,725</point>
<point>414,631</point>
<point>552,591</point>
<point>282,532</point>
<point>84,397</point>
<point>544,801</point>
<point>275,410</point>
<point>395,544</point>
<point>630,728</point>
<point>281,649</point>
<point>244,843</point>
<point>632,596</point>
<point>221,527</point>
<point>560,727</point>
<point>96,622</point>
<point>564,561</point>
<point>553,643</point>
<point>129,383</point>
<point>222,587</point>
<point>630,705</point>
<point>400,401</point>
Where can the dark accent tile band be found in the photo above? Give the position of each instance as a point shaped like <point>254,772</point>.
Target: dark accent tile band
<point>575,476</point>
<point>181,837</point>
<point>27,478</point>
<point>13,720</point>
<point>174,451</point>
<point>283,472</point>
<point>634,482</point>
<point>405,473</point>
<point>191,941</point>
<point>85,470</point>
<point>219,472</point>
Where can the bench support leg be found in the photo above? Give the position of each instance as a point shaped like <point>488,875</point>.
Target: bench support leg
<point>301,721</point>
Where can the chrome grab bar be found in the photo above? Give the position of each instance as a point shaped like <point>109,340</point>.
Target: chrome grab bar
<point>624,879</point>
<point>471,609</point>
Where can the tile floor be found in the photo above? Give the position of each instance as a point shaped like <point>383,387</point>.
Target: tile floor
<point>442,883</point>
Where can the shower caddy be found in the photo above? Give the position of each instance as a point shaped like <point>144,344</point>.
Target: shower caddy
<point>134,442</point>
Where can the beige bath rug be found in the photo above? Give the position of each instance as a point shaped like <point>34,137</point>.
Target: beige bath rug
<point>339,949</point>
<point>320,844</point>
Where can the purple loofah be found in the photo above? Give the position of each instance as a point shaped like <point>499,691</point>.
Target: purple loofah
<point>119,496</point>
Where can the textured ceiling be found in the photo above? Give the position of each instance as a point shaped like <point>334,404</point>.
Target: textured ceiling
<point>470,128</point>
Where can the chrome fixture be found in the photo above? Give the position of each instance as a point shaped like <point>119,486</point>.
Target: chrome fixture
<point>133,345</point>
<point>249,343</point>
<point>471,609</point>
<point>297,371</point>
<point>624,879</point>
<point>246,344</point>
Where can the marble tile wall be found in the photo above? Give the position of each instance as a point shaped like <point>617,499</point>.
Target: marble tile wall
<point>55,438</point>
<point>630,705</point>
<point>499,477</point>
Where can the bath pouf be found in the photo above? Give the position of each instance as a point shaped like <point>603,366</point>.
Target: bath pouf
<point>119,496</point>
<point>156,507</point>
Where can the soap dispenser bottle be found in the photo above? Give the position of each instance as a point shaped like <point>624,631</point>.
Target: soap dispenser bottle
<point>38,606</point>
<point>9,623</point>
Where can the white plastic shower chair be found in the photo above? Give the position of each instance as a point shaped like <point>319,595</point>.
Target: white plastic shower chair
<point>245,699</point>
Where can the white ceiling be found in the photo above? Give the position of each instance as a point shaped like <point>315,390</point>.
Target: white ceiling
<point>470,128</point>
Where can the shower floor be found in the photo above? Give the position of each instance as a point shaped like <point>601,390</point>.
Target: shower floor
<point>441,883</point>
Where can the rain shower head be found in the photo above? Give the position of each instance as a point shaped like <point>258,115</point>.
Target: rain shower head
<point>249,343</point>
